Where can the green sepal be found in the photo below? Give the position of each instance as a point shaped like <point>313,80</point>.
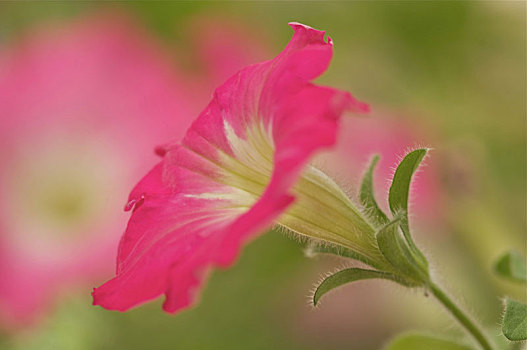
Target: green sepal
<point>514,324</point>
<point>395,249</point>
<point>512,265</point>
<point>350,275</point>
<point>400,188</point>
<point>314,248</point>
<point>417,341</point>
<point>367,196</point>
<point>399,194</point>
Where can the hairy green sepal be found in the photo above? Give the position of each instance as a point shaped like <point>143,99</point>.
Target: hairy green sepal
<point>514,325</point>
<point>398,198</point>
<point>350,275</point>
<point>395,249</point>
<point>408,266</point>
<point>367,196</point>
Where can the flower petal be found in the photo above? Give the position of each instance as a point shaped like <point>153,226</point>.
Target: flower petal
<point>230,178</point>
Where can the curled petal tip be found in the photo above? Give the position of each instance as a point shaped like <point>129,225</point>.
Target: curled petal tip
<point>294,24</point>
<point>312,33</point>
<point>297,25</point>
<point>129,205</point>
<point>134,203</point>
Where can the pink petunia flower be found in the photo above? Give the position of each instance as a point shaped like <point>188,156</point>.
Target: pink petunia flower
<point>82,107</point>
<point>241,167</point>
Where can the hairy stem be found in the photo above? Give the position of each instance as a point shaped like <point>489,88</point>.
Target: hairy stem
<point>461,316</point>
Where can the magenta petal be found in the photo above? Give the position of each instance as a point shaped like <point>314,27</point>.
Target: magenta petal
<point>230,178</point>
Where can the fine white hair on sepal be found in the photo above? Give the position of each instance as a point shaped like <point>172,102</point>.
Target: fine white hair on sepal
<point>370,216</point>
<point>415,176</point>
<point>503,301</point>
<point>311,295</point>
<point>312,244</point>
<point>295,236</point>
<point>309,243</point>
<point>400,158</point>
<point>400,213</point>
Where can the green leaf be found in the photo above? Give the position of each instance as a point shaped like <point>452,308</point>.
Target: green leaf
<point>396,251</point>
<point>399,194</point>
<point>424,342</point>
<point>514,325</point>
<point>347,276</point>
<point>367,196</point>
<point>512,265</point>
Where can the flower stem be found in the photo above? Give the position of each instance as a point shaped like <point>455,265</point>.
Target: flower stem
<point>465,321</point>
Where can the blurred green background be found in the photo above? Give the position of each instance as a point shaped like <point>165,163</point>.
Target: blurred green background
<point>457,67</point>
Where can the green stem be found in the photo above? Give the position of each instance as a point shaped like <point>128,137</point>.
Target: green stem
<point>465,321</point>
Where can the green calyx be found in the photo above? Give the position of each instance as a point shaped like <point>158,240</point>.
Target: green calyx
<point>402,261</point>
